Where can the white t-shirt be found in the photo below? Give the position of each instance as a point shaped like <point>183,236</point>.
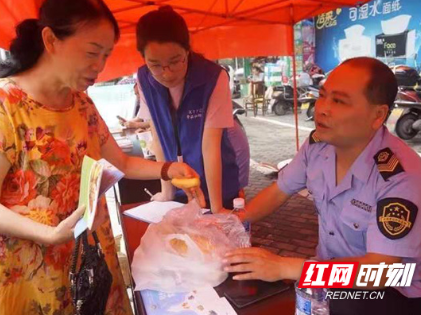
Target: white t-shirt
<point>219,112</point>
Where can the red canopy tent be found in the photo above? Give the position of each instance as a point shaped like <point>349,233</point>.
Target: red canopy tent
<point>219,28</point>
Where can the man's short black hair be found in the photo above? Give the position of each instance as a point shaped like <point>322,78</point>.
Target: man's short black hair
<point>382,86</point>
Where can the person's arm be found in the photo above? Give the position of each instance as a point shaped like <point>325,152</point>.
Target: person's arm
<point>291,179</point>
<point>265,203</point>
<point>258,263</point>
<point>382,245</point>
<point>211,148</point>
<point>139,168</point>
<point>218,117</point>
<point>143,125</point>
<point>16,225</point>
<point>167,189</point>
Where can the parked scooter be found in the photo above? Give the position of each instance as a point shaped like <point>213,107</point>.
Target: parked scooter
<point>283,99</point>
<point>409,123</point>
<point>318,79</point>
<point>234,83</point>
<point>409,98</point>
<point>237,109</point>
<point>310,97</point>
<point>307,92</point>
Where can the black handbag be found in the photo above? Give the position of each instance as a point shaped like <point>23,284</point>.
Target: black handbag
<point>91,285</point>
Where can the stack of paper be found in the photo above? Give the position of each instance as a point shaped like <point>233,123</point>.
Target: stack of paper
<point>201,301</point>
<point>118,129</point>
<point>152,212</point>
<point>120,138</point>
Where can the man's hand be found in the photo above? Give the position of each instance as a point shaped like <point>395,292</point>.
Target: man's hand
<point>63,232</point>
<point>258,263</point>
<point>240,215</point>
<point>182,170</point>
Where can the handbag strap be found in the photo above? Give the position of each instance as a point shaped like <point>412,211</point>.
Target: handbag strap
<point>75,257</point>
<point>96,239</point>
<point>85,243</point>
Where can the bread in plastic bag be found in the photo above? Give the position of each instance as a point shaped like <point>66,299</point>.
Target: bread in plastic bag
<point>184,251</point>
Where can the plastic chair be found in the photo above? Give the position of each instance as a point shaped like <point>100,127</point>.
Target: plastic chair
<point>256,99</point>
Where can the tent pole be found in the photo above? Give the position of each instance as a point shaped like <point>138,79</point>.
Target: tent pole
<point>294,74</point>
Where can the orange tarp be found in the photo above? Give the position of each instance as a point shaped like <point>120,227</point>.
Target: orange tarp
<point>219,28</point>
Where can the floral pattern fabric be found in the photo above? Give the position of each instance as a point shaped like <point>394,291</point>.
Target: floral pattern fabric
<point>45,148</point>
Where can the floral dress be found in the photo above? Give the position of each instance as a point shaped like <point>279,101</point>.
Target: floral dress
<point>45,148</point>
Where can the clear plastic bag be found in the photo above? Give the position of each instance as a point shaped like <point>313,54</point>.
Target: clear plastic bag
<point>185,250</point>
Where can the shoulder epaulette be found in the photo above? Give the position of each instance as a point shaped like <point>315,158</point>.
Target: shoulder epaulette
<point>387,163</point>
<point>313,137</point>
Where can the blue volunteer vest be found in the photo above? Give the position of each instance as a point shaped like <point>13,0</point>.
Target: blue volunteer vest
<point>201,79</point>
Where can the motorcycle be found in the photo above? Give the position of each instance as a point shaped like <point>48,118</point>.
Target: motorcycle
<point>234,83</point>
<point>236,93</point>
<point>237,109</point>
<point>310,97</point>
<point>409,98</point>
<point>409,123</point>
<point>318,79</point>
<point>283,99</point>
<point>284,96</point>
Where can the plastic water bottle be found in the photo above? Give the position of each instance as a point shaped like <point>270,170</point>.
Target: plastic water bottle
<point>311,301</point>
<point>239,206</point>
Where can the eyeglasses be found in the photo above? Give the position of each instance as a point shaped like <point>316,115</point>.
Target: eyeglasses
<point>172,66</point>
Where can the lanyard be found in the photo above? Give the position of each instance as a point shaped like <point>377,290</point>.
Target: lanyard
<point>177,137</point>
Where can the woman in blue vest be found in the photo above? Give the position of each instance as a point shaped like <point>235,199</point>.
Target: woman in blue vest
<point>188,100</point>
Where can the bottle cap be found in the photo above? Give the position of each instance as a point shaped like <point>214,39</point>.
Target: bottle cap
<point>239,203</point>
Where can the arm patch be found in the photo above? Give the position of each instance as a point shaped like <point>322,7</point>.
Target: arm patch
<point>396,217</point>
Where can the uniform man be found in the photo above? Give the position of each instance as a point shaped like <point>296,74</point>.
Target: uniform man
<point>366,185</point>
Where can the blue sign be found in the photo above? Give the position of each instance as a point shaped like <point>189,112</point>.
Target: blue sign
<point>389,30</point>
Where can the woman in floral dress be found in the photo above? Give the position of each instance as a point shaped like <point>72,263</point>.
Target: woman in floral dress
<point>47,126</point>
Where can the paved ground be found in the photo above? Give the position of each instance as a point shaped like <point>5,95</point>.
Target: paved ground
<point>292,229</point>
